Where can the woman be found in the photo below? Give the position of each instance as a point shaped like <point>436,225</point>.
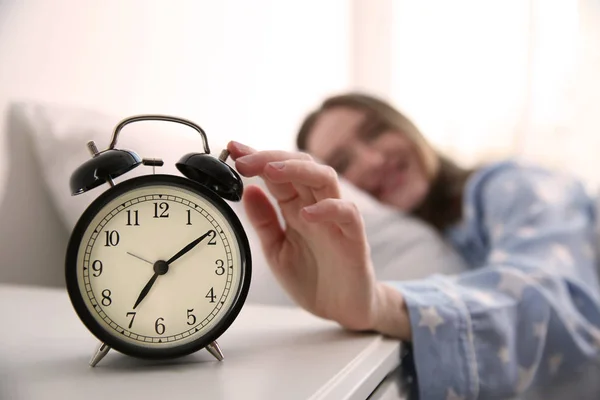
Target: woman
<point>527,310</point>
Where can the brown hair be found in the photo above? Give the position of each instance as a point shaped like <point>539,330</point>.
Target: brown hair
<point>443,203</point>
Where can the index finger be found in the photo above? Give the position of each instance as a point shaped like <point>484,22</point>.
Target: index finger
<point>255,163</point>
<point>237,150</point>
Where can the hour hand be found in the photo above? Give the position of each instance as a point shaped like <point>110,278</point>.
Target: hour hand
<point>160,268</point>
<point>146,289</point>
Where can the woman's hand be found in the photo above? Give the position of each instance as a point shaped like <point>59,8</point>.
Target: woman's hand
<point>322,256</point>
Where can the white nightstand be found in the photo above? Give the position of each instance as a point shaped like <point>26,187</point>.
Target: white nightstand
<point>270,353</point>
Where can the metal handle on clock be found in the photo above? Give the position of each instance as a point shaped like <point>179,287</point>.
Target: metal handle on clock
<point>157,117</point>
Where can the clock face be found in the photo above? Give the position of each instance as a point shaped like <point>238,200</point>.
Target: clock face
<point>160,266</point>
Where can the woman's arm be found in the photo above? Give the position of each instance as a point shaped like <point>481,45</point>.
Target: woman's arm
<point>531,313</point>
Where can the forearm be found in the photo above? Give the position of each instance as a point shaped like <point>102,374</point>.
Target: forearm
<point>391,313</point>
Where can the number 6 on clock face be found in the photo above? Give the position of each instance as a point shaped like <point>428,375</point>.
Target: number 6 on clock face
<point>158,267</point>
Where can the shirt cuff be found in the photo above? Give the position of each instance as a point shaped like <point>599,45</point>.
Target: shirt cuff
<point>444,354</point>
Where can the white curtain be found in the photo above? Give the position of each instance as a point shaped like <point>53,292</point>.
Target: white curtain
<point>489,79</point>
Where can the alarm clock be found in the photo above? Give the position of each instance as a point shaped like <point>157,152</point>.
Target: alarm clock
<point>158,266</point>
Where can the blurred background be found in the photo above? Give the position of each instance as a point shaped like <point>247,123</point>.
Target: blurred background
<point>482,79</point>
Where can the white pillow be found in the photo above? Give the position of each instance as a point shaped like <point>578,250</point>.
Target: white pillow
<point>402,247</point>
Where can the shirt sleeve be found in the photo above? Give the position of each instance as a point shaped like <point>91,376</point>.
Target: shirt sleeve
<point>532,311</point>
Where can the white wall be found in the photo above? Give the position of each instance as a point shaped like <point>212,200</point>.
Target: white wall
<point>245,70</point>
<point>488,80</point>
<point>460,71</point>
<point>372,46</point>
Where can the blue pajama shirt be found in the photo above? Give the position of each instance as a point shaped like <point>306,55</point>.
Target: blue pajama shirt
<point>528,309</point>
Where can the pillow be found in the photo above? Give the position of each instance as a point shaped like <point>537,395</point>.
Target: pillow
<point>402,247</point>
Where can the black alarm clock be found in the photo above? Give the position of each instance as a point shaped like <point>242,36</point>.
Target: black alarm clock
<point>159,265</point>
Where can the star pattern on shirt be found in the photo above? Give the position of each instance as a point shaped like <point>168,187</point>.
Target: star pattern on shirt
<point>504,355</point>
<point>483,297</point>
<point>451,395</point>
<point>527,232</point>
<point>570,323</point>
<point>525,378</point>
<point>542,256</point>
<point>550,191</point>
<point>563,255</point>
<point>498,256</point>
<point>554,363</point>
<point>540,277</point>
<point>539,330</point>
<point>512,283</point>
<point>430,318</point>
<point>497,231</point>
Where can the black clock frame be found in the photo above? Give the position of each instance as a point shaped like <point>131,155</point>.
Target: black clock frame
<point>85,314</point>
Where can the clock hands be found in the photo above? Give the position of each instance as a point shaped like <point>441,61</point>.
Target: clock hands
<point>139,258</point>
<point>146,289</point>
<point>188,248</point>
<point>162,267</point>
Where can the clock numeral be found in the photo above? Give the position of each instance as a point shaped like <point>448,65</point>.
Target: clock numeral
<point>106,300</point>
<point>112,238</point>
<point>220,268</point>
<point>159,327</point>
<point>212,234</point>
<point>163,208</point>
<point>136,221</point>
<point>189,213</point>
<point>211,295</point>
<point>192,316</point>
<point>132,314</point>
<point>97,267</point>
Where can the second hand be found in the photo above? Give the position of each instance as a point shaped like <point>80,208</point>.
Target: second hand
<point>140,258</point>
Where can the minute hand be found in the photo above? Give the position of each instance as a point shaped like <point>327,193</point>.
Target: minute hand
<point>187,248</point>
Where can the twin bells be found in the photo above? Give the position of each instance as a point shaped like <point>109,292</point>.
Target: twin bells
<point>203,168</point>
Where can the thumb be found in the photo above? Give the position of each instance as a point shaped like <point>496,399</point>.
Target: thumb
<point>263,217</point>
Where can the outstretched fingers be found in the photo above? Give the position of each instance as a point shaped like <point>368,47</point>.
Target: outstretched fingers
<point>254,164</point>
<point>343,213</point>
<point>250,163</point>
<point>264,219</point>
<point>321,180</point>
<point>237,150</point>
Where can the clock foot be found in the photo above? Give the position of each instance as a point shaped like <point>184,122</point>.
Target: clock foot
<point>214,349</point>
<point>99,355</point>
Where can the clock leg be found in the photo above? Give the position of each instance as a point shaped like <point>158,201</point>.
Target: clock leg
<point>99,355</point>
<point>214,349</point>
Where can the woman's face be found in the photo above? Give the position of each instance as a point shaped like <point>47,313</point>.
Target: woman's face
<point>385,163</point>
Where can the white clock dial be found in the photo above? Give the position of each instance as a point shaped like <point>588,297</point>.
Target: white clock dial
<point>117,260</point>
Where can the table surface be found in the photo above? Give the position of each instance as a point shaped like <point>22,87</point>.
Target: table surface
<point>270,352</point>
